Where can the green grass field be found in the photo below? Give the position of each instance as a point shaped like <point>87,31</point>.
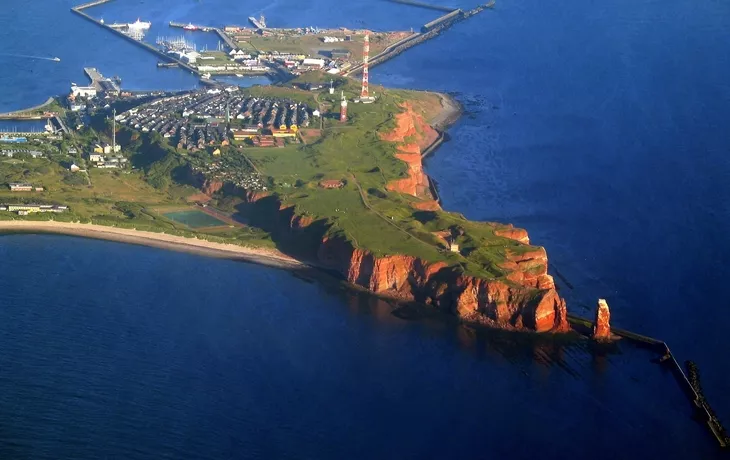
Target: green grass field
<point>364,212</point>
<point>195,219</point>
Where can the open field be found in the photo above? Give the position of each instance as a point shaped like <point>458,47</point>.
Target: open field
<point>285,41</point>
<point>195,219</point>
<point>364,211</point>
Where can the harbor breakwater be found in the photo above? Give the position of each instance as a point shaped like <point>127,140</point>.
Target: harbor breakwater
<point>79,10</point>
<point>429,30</point>
<point>689,385</point>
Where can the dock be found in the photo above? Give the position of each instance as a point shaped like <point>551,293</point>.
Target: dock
<point>190,26</point>
<point>429,30</point>
<point>228,40</point>
<point>100,82</point>
<point>79,10</point>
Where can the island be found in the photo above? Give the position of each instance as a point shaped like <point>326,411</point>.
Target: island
<point>308,171</point>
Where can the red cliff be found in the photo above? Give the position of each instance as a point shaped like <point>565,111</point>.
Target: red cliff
<point>602,326</point>
<point>505,304</point>
<point>413,135</point>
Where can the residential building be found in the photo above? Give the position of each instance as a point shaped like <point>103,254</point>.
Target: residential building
<point>20,187</point>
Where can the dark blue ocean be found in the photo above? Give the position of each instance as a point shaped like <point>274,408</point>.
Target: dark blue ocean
<point>599,127</point>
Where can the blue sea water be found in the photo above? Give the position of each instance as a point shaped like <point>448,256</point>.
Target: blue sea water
<point>599,127</point>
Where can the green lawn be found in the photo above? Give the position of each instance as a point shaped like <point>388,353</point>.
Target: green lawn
<point>195,219</point>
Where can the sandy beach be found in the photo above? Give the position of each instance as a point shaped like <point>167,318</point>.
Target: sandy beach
<point>261,256</point>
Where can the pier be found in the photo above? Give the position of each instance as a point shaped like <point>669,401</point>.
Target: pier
<point>100,82</point>
<point>228,40</point>
<point>80,11</point>
<point>699,403</point>
<point>428,31</point>
<point>190,26</point>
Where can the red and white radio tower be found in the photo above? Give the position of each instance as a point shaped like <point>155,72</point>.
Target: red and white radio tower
<point>343,108</point>
<point>365,64</point>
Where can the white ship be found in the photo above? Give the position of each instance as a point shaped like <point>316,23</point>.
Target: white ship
<point>139,25</point>
<point>259,23</point>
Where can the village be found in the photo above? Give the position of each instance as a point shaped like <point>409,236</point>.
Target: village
<point>220,117</point>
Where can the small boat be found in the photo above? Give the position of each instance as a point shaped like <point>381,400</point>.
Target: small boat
<point>56,59</point>
<point>239,75</point>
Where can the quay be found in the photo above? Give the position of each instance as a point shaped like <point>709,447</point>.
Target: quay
<point>699,403</point>
<point>428,31</point>
<point>190,26</point>
<point>100,82</point>
<point>424,5</point>
<point>229,42</point>
<point>80,11</point>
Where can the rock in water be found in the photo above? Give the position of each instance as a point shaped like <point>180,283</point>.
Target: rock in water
<point>602,327</point>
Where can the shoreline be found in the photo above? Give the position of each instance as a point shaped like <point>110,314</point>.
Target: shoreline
<point>261,256</point>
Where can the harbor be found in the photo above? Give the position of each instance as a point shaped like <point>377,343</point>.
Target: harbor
<point>79,10</point>
<point>277,65</point>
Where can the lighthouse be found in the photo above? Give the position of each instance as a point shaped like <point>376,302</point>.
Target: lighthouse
<point>343,108</point>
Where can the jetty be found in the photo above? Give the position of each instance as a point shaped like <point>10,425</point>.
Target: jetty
<point>700,405</point>
<point>190,26</point>
<point>79,10</point>
<point>428,31</point>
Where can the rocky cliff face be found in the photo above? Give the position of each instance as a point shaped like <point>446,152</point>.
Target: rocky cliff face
<point>602,326</point>
<point>524,299</point>
<point>533,305</point>
<point>413,135</point>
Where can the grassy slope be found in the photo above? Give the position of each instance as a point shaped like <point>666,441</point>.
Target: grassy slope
<point>362,212</point>
<point>354,153</point>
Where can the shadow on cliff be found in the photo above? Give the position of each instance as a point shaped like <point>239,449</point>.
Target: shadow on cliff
<point>292,236</point>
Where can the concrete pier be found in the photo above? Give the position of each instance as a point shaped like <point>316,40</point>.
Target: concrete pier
<point>699,403</point>
<point>429,31</point>
<point>224,36</point>
<point>80,11</point>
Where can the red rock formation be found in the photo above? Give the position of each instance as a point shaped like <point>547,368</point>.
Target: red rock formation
<point>416,184</point>
<point>529,268</point>
<point>211,186</point>
<point>426,205</point>
<point>298,222</point>
<point>517,234</point>
<point>251,196</point>
<point>602,326</point>
<point>493,302</point>
<point>413,134</point>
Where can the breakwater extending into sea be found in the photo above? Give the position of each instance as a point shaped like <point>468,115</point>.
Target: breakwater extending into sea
<point>79,10</point>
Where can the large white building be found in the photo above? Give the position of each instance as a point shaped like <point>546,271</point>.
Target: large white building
<point>311,62</point>
<point>83,91</point>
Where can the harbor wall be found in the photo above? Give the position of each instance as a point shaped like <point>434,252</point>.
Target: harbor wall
<point>430,30</point>
<point>144,45</point>
<point>699,403</point>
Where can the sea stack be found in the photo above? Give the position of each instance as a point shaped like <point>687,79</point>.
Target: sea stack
<point>602,326</point>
